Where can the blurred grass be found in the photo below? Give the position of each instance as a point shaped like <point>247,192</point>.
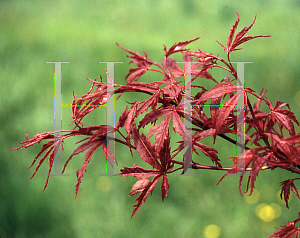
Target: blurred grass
<point>86,32</point>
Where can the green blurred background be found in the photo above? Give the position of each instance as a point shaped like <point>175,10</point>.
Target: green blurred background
<point>33,32</point>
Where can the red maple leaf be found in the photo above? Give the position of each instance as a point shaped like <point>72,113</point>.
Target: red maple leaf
<point>282,117</point>
<point>288,231</point>
<point>149,155</point>
<point>287,186</point>
<point>239,39</point>
<point>177,47</point>
<point>142,63</point>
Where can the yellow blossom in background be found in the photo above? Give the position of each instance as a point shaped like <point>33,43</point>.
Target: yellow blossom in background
<point>212,231</point>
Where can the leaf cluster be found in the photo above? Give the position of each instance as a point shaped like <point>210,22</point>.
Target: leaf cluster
<point>167,108</point>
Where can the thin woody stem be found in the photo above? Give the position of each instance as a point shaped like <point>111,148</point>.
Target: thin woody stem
<point>199,166</point>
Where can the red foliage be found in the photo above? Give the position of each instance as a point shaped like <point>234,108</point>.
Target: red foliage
<point>166,102</point>
<point>288,231</point>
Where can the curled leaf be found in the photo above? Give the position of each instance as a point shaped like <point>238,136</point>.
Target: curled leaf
<point>139,186</point>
